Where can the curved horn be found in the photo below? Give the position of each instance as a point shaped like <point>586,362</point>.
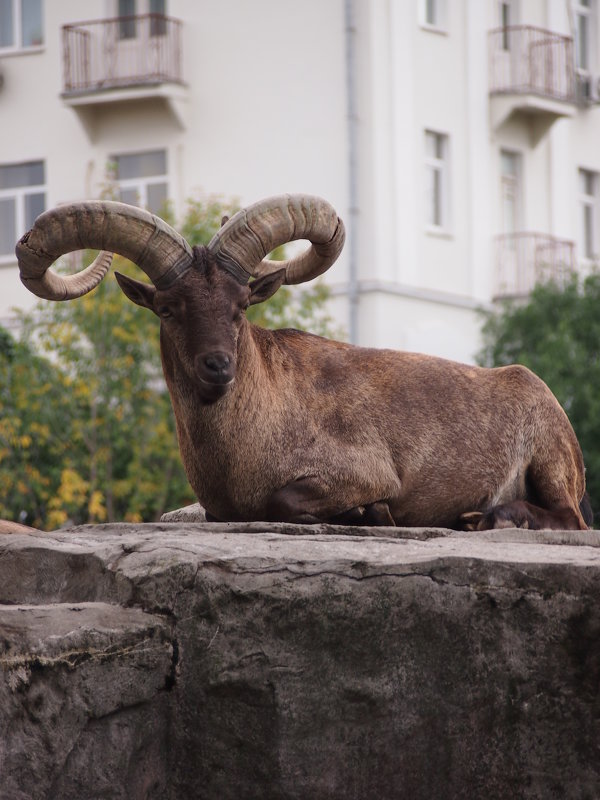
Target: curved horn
<point>132,232</point>
<point>243,242</point>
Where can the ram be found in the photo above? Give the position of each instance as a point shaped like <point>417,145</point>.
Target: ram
<point>287,426</point>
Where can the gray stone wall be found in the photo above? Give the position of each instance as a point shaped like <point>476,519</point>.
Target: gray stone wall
<point>277,661</point>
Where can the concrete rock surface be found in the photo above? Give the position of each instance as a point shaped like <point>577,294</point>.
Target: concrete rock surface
<point>192,513</point>
<point>278,661</point>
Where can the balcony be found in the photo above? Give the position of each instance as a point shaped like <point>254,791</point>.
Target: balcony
<point>122,60</point>
<point>532,72</point>
<point>524,259</point>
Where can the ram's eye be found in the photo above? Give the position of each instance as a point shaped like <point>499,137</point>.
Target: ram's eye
<point>165,312</point>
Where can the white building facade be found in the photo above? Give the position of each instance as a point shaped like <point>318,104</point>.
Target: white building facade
<point>456,138</point>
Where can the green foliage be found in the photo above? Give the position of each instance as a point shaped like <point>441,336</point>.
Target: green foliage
<point>87,433</point>
<point>203,218</point>
<point>557,335</point>
<point>35,429</point>
<point>119,457</point>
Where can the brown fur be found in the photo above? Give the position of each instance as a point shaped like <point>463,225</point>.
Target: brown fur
<point>521,514</point>
<point>7,526</point>
<point>311,429</point>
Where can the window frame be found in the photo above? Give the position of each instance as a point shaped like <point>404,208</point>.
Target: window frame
<point>589,201</point>
<point>128,26</point>
<point>588,12</point>
<point>17,32</point>
<point>441,166</point>
<point>514,184</point>
<point>508,15</point>
<point>19,193</point>
<point>440,23</point>
<point>141,183</point>
<point>127,22</point>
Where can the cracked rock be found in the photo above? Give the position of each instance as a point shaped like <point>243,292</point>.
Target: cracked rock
<point>81,695</point>
<point>179,660</point>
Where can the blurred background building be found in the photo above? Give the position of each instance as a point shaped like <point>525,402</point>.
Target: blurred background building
<point>458,139</point>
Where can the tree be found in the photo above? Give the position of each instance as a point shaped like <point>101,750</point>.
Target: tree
<point>122,460</point>
<point>87,433</point>
<point>556,333</point>
<point>35,430</point>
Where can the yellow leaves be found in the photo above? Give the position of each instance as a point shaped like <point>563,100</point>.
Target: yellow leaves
<point>63,333</point>
<point>35,476</point>
<point>71,497</point>
<point>56,518</point>
<point>8,428</point>
<point>18,443</point>
<point>72,490</point>
<point>124,487</point>
<point>7,483</point>
<point>125,335</point>
<point>96,507</point>
<point>15,439</point>
<point>39,431</point>
<point>82,390</point>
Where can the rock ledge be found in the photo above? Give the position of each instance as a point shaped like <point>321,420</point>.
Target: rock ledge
<point>186,660</point>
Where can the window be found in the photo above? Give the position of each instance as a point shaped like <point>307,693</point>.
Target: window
<point>128,9</point>
<point>126,13</point>
<point>583,34</point>
<point>588,198</point>
<point>507,18</point>
<point>21,24</point>
<point>510,179</point>
<point>436,180</point>
<point>142,179</point>
<point>22,199</point>
<point>433,14</point>
<point>158,26</point>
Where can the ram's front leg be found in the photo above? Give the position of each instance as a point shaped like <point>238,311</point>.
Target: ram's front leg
<point>306,501</point>
<point>302,501</point>
<point>376,514</point>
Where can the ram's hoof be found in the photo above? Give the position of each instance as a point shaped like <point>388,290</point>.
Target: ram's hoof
<point>470,520</point>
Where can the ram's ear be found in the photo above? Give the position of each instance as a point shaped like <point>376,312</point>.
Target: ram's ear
<point>142,294</point>
<point>263,288</point>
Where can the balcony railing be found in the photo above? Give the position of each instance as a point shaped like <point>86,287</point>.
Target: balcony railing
<point>121,52</point>
<point>524,259</point>
<point>528,60</point>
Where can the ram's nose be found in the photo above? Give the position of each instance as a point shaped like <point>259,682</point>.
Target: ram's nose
<point>216,368</point>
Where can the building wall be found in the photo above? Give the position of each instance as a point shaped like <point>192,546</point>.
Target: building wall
<point>277,94</point>
<point>263,115</point>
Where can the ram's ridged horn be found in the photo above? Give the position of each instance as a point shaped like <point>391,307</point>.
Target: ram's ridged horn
<point>108,226</point>
<point>243,242</point>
